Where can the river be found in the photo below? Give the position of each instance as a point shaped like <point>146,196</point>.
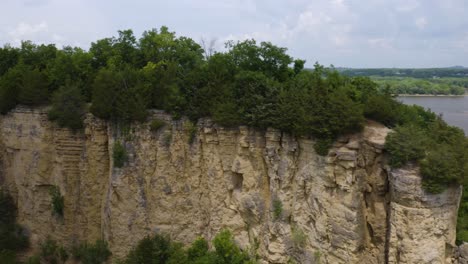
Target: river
<point>454,109</point>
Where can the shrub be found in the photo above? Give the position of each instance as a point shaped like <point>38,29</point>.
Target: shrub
<point>462,220</point>
<point>277,208</point>
<point>51,252</point>
<point>95,253</point>
<point>198,249</point>
<point>12,238</point>
<point>151,249</point>
<point>161,250</point>
<point>298,237</point>
<point>406,144</point>
<point>119,155</point>
<point>322,146</point>
<point>156,124</point>
<point>227,250</point>
<point>440,168</point>
<point>57,200</point>
<point>191,129</point>
<point>7,256</point>
<point>382,108</point>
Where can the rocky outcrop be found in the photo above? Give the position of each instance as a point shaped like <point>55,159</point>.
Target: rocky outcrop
<point>461,255</point>
<point>280,199</point>
<point>421,224</point>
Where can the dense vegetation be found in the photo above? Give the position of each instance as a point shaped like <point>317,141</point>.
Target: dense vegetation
<point>437,81</point>
<point>12,237</point>
<point>443,86</point>
<point>254,84</point>
<point>52,252</point>
<point>159,249</point>
<point>424,73</point>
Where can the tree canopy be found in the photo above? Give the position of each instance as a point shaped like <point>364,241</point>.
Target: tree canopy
<point>249,83</point>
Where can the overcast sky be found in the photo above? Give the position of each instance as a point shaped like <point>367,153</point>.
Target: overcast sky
<point>349,33</point>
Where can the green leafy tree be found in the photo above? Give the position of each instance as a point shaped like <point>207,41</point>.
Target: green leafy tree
<point>33,88</point>
<point>10,88</point>
<point>68,107</point>
<point>9,57</point>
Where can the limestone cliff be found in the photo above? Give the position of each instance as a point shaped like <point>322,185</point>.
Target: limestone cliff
<point>343,208</point>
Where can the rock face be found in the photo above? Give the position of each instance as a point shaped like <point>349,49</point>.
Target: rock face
<point>278,197</point>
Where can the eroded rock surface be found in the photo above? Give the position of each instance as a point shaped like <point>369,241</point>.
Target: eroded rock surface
<point>335,209</point>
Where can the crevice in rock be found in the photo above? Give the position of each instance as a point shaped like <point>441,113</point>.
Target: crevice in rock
<point>237,181</point>
<point>387,220</point>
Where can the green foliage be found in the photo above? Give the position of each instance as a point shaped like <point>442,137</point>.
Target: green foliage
<point>191,129</point>
<point>33,88</point>
<point>198,249</point>
<point>119,155</point>
<point>9,89</point>
<point>422,73</point>
<point>68,107</point>
<point>298,237</point>
<point>429,86</point>
<point>117,95</point>
<point>322,146</point>
<point>57,200</point>
<point>406,144</point>
<point>94,253</point>
<point>154,249</point>
<point>156,124</point>
<point>277,208</point>
<point>441,151</point>
<point>7,256</point>
<point>51,252</point>
<point>159,249</point>
<point>227,250</point>
<point>12,238</point>
<point>317,256</point>
<point>462,220</point>
<point>383,108</point>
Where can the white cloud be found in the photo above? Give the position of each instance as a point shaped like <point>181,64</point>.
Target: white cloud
<point>381,43</point>
<point>421,22</point>
<point>25,29</point>
<point>341,32</point>
<point>407,5</point>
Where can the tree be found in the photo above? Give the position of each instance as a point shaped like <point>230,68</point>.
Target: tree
<point>9,57</point>
<point>119,96</point>
<point>9,88</point>
<point>33,88</point>
<point>68,107</point>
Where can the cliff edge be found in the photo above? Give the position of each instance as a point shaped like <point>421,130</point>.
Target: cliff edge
<point>279,198</point>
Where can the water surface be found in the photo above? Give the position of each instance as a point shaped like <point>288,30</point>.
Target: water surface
<point>454,109</point>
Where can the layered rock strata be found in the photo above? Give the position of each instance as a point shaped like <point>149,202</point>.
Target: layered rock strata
<point>280,199</point>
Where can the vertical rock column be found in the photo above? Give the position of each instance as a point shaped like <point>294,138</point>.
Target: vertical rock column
<point>422,225</point>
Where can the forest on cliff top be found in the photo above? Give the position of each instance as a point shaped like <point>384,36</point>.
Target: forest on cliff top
<point>249,83</point>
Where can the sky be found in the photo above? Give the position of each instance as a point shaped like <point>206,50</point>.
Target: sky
<point>345,33</point>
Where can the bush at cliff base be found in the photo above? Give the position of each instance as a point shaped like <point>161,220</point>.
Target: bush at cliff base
<point>12,238</point>
<point>160,249</point>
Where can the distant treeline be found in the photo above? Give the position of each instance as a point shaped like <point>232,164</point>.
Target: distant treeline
<point>439,86</point>
<point>455,72</point>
